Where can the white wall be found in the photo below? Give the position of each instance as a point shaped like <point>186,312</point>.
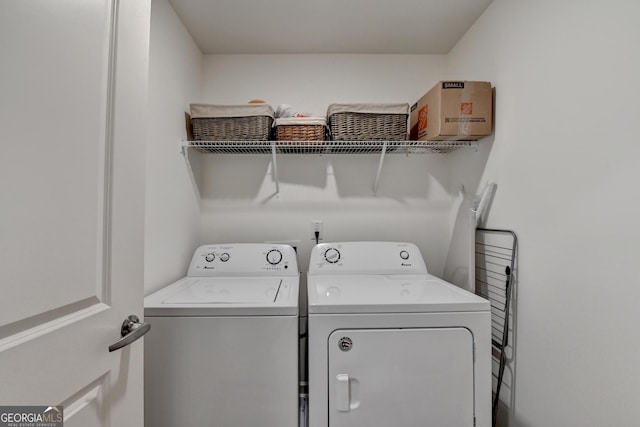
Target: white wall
<point>564,156</point>
<point>239,200</point>
<point>172,211</point>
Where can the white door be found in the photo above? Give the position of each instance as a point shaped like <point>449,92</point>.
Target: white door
<point>401,377</point>
<point>72,129</point>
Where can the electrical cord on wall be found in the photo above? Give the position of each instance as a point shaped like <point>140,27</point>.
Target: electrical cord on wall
<point>317,233</point>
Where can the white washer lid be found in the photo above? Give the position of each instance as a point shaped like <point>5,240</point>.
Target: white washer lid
<point>225,296</point>
<point>389,294</point>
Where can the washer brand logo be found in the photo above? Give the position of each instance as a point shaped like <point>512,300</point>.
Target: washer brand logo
<point>452,85</point>
<point>31,416</point>
<point>405,265</point>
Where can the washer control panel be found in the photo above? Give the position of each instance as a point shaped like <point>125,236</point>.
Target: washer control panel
<point>366,258</point>
<point>274,257</point>
<point>244,259</point>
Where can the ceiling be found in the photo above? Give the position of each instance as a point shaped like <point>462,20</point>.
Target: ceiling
<point>328,26</point>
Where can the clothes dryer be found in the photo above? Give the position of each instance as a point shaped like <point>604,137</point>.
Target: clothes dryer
<point>392,345</point>
<point>224,347</point>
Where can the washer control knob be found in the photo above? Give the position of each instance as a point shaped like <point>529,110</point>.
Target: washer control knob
<point>274,257</point>
<point>332,255</point>
<point>209,257</point>
<point>404,255</point>
<point>224,257</point>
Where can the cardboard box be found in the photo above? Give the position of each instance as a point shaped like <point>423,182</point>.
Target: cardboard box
<point>453,110</point>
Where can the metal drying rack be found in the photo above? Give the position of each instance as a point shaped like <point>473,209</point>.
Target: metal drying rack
<point>495,267</point>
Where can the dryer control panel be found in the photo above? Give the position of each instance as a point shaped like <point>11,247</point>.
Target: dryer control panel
<point>244,259</point>
<point>366,258</point>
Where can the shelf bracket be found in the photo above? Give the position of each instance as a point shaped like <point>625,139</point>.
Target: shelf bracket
<point>275,167</point>
<point>382,154</point>
<point>184,148</point>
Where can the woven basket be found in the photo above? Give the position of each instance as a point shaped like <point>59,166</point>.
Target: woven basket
<point>300,133</point>
<point>300,129</point>
<point>368,122</point>
<point>231,123</point>
<point>232,128</point>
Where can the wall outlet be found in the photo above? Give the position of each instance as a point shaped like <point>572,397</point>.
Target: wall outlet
<point>316,226</point>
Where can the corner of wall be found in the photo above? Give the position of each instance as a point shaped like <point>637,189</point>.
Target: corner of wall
<point>172,209</point>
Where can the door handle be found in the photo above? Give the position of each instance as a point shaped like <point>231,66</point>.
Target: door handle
<point>347,393</point>
<point>343,395</point>
<point>131,330</point>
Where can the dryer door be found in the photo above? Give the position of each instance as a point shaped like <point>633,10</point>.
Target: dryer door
<point>401,377</point>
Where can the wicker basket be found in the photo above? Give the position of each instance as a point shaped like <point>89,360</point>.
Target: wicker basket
<point>310,129</point>
<point>368,122</point>
<point>252,122</point>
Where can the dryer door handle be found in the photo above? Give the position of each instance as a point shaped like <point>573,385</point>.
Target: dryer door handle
<point>343,394</point>
<point>347,393</point>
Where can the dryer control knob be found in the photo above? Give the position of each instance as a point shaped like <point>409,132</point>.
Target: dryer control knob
<point>404,255</point>
<point>332,255</point>
<point>209,257</point>
<point>274,257</point>
<point>224,257</point>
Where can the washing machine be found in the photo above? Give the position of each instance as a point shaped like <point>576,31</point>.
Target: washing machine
<point>392,345</point>
<point>223,350</point>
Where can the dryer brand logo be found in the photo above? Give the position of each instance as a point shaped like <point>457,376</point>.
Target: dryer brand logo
<point>345,343</point>
<point>31,416</point>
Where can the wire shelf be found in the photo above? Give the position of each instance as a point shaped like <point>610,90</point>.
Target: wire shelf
<point>328,147</point>
<point>277,148</point>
